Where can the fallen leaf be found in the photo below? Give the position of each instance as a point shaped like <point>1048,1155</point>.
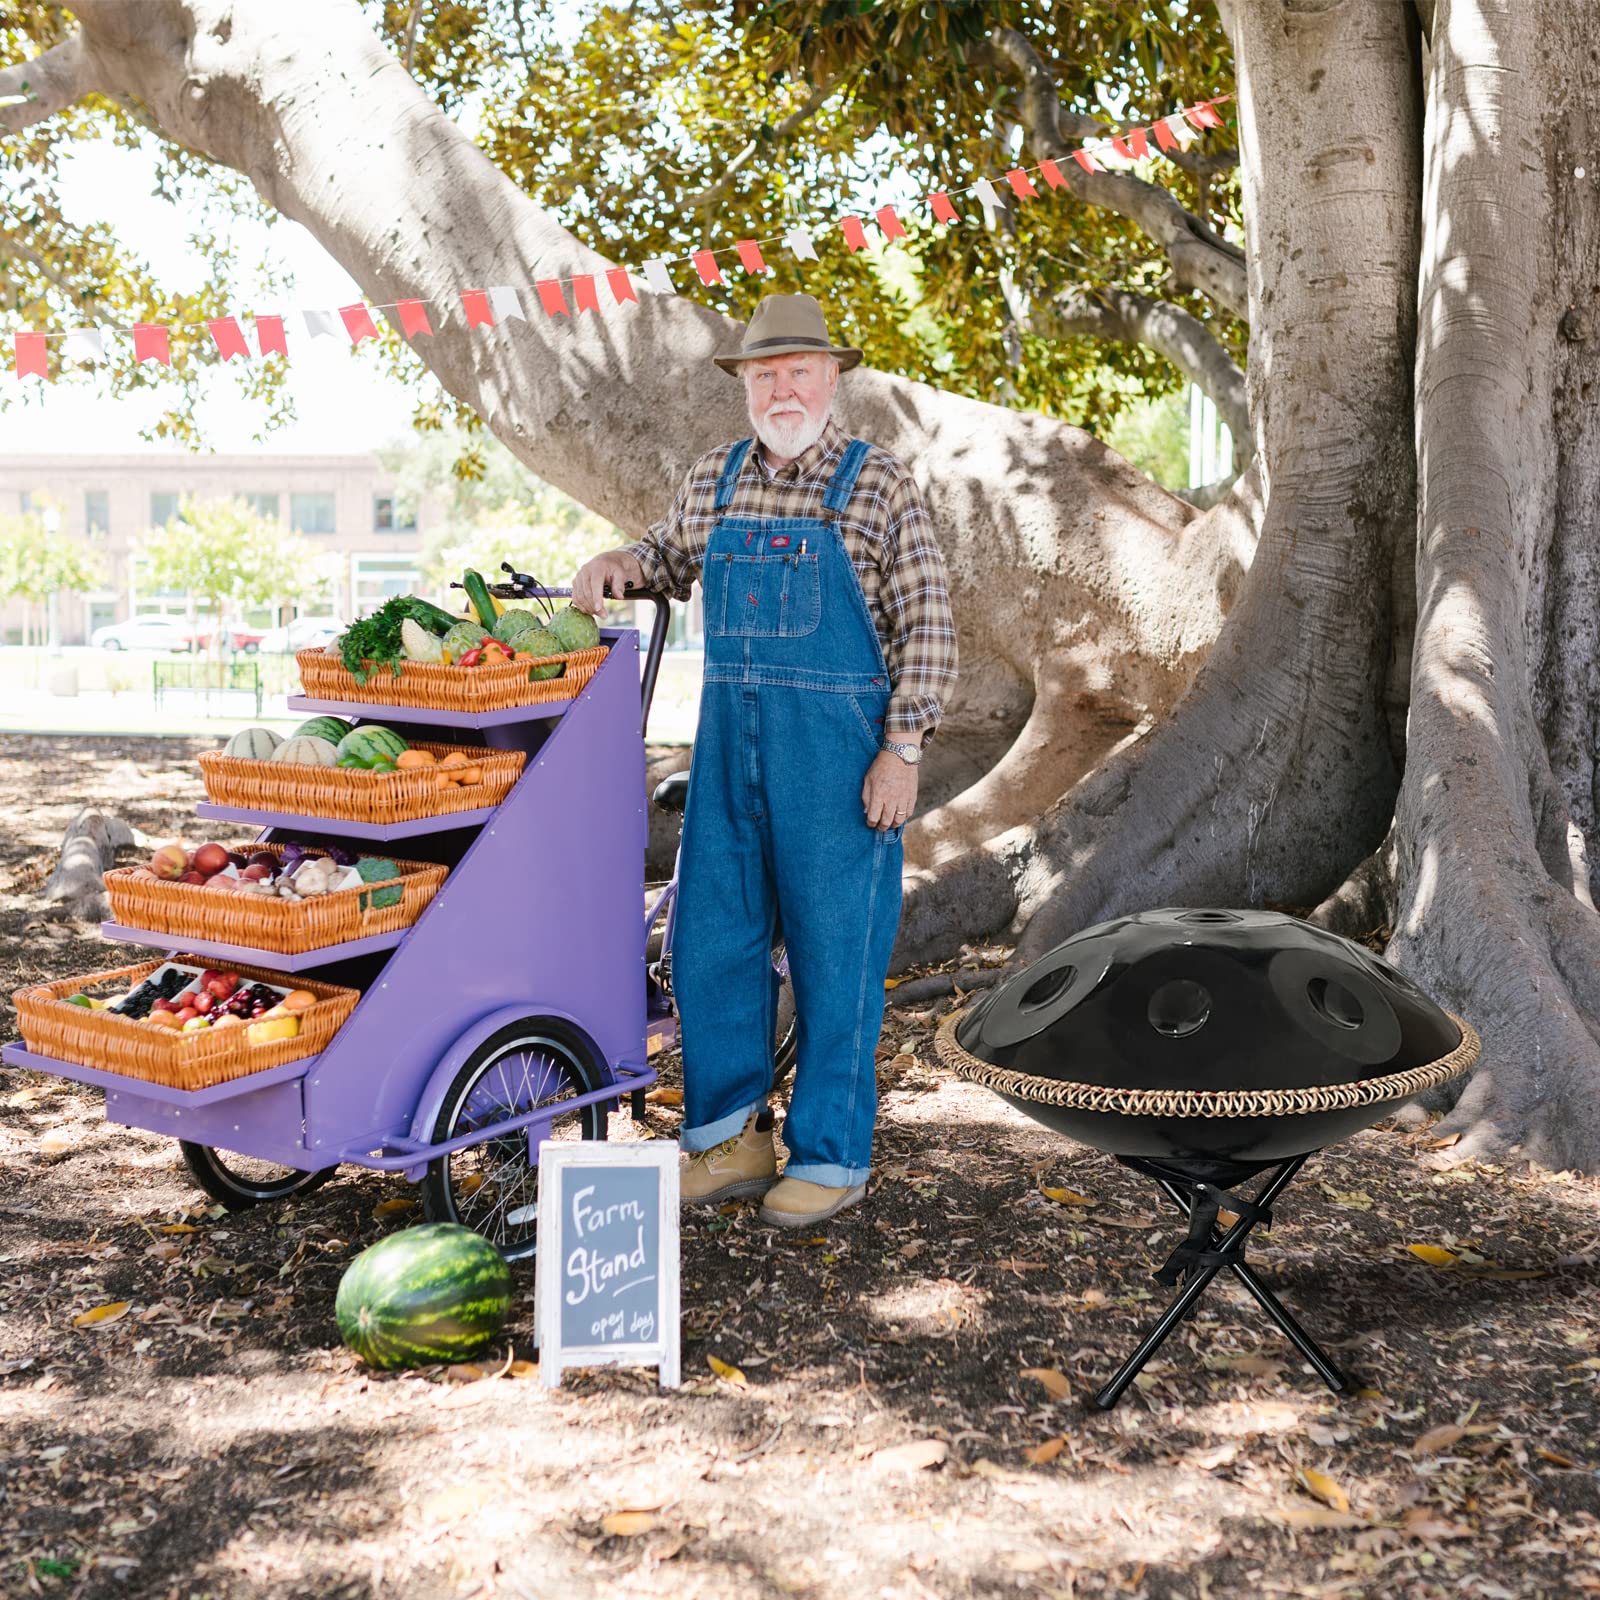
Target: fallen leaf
<point>459,1500</point>
<point>101,1315</point>
<point>1321,1487</point>
<point>914,1248</point>
<point>388,1208</point>
<point>523,1369</point>
<point>626,1524</point>
<point>916,1456</point>
<point>1094,1297</point>
<point>1354,1199</point>
<point>1067,1197</point>
<point>725,1371</point>
<point>1040,1454</point>
<point>57,1142</point>
<point>893,983</point>
<point>1434,1254</point>
<point>177,1227</point>
<point>1315,1517</point>
<point>1422,1522</point>
<point>1441,1144</point>
<point>1129,1222</point>
<point>1436,1439</point>
<point>661,1095</point>
<point>1056,1384</point>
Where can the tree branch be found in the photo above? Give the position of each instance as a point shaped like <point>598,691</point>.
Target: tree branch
<point>55,80</point>
<point>1169,330</point>
<point>409,54</point>
<point>814,102</point>
<point>1201,258</point>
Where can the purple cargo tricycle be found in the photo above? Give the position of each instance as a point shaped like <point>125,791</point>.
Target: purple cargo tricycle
<point>522,1005</point>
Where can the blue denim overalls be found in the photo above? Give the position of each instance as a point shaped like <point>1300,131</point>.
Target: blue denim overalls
<point>791,716</point>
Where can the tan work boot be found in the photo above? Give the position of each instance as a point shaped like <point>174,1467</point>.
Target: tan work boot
<point>746,1164</point>
<point>794,1203</point>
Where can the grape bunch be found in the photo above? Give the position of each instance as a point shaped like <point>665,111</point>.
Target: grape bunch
<point>249,1000</point>
<point>159,986</point>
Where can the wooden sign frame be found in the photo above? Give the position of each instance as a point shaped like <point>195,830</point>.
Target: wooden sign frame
<point>555,1238</point>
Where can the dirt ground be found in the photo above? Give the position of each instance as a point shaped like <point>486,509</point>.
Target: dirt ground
<point>903,1411</point>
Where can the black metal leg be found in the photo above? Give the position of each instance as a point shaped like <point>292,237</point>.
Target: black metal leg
<point>1230,1247</point>
<point>638,1105</point>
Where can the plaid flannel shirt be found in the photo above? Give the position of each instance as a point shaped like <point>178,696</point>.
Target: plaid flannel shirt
<point>887,534</point>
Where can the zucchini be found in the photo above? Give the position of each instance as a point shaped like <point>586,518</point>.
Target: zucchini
<point>482,600</point>
<point>435,618</point>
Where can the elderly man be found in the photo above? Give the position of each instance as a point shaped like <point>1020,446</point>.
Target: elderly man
<point>830,653</point>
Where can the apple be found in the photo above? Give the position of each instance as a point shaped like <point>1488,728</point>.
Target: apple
<point>256,872</point>
<point>163,1004</point>
<point>195,1024</point>
<point>264,858</point>
<point>202,1000</point>
<point>186,1014</point>
<point>171,861</point>
<point>219,984</point>
<point>210,859</point>
<point>228,1020</point>
<point>193,877</point>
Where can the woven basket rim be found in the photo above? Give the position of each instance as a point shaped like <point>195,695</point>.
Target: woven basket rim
<point>1205,1102</point>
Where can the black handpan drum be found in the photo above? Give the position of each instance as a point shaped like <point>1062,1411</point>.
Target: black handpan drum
<point>1223,1041</point>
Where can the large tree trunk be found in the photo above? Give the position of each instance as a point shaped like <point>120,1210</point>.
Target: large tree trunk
<point>1086,595</point>
<point>1279,767</point>
<point>1492,878</point>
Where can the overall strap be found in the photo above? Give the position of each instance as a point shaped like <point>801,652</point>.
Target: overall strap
<point>730,473</point>
<point>844,476</point>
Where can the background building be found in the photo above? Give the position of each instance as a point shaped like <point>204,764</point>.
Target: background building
<point>345,505</point>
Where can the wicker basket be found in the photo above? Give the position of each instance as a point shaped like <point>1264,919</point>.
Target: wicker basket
<point>136,1049</point>
<point>347,794</point>
<point>436,687</point>
<point>139,899</point>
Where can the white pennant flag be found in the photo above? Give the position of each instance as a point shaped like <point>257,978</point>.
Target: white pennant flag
<point>504,304</point>
<point>657,276</point>
<point>320,324</point>
<point>1180,129</point>
<point>800,244</point>
<point>85,344</point>
<point>988,198</point>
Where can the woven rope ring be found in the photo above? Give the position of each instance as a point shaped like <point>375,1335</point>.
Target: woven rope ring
<point>1205,1102</point>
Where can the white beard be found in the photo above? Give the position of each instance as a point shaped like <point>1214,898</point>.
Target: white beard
<point>790,435</point>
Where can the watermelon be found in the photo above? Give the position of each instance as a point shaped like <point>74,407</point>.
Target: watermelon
<point>371,740</point>
<point>307,750</point>
<point>254,744</point>
<point>438,1292</point>
<point>333,729</point>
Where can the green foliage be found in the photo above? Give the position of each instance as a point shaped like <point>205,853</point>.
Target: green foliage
<point>1153,434</point>
<point>223,554</point>
<point>37,561</point>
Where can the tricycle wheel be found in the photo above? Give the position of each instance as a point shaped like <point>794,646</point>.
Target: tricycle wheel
<point>240,1181</point>
<point>492,1187</point>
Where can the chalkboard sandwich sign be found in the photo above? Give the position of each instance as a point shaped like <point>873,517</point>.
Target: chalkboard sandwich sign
<point>606,1276</point>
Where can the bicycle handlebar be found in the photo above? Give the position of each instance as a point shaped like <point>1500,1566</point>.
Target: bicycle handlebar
<point>533,589</point>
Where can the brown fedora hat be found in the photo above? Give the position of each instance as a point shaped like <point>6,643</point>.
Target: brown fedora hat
<point>787,325</point>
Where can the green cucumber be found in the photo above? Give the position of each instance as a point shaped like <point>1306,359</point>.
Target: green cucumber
<point>482,600</point>
<point>435,618</point>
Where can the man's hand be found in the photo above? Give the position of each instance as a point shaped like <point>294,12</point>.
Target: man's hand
<point>890,792</point>
<point>614,570</point>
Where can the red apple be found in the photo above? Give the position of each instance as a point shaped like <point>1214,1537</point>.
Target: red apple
<point>171,861</point>
<point>193,877</point>
<point>220,880</point>
<point>201,1000</point>
<point>210,859</point>
<point>163,1004</point>
<point>257,872</point>
<point>186,1014</point>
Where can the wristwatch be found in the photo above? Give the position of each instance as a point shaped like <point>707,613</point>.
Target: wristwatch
<point>911,754</point>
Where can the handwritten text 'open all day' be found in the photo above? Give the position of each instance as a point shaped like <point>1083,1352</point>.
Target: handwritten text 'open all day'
<point>596,1270</point>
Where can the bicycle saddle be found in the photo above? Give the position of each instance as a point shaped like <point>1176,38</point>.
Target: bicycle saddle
<point>672,793</point>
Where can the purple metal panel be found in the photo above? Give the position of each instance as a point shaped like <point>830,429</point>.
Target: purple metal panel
<point>293,822</point>
<point>277,959</point>
<point>266,1123</point>
<point>16,1055</point>
<point>540,914</point>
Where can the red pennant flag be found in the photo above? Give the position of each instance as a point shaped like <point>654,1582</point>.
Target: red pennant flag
<point>29,350</point>
<point>551,297</point>
<point>358,322</point>
<point>1138,143</point>
<point>1021,184</point>
<point>414,318</point>
<point>1203,117</point>
<point>269,336</point>
<point>750,256</point>
<point>583,294</point>
<point>1164,136</point>
<point>705,263</point>
<point>943,211</point>
<point>150,343</point>
<point>475,302</point>
<point>893,228</point>
<point>1120,145</point>
<point>1087,161</point>
<point>1051,174</point>
<point>854,234</point>
<point>621,285</point>
<point>228,338</point>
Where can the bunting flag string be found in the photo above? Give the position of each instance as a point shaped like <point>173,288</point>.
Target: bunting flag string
<point>500,304</point>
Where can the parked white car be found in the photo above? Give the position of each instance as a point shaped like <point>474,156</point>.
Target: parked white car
<point>147,633</point>
<point>304,633</point>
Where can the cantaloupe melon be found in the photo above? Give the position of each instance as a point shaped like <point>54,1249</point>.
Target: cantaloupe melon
<point>254,744</point>
<point>308,751</point>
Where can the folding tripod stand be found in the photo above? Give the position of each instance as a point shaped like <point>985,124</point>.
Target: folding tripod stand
<point>1206,1252</point>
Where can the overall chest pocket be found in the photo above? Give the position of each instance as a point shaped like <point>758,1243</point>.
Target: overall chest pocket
<point>765,596</point>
